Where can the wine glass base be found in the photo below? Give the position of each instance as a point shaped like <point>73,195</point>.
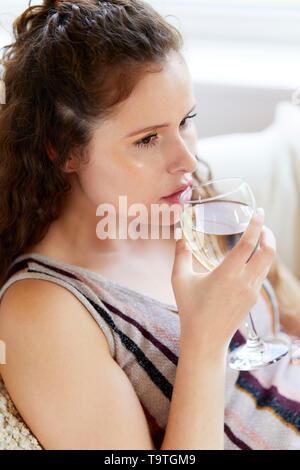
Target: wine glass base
<point>249,358</point>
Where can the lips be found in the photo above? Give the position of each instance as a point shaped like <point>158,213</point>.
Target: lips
<point>179,189</point>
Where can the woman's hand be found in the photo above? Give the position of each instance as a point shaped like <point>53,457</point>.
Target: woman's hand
<point>213,305</point>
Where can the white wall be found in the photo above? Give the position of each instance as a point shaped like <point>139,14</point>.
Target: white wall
<point>226,109</point>
<point>9,10</point>
<point>243,60</point>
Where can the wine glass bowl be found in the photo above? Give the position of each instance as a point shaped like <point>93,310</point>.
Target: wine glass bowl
<point>215,216</point>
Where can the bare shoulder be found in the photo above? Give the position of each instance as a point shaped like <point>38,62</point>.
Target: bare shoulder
<point>39,304</point>
<point>42,301</point>
<point>60,374</point>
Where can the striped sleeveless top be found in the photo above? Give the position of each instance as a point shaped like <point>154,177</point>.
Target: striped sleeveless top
<point>262,408</point>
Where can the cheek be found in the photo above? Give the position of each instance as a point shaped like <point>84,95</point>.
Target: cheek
<point>93,182</point>
<point>191,138</point>
<point>132,193</point>
<point>105,180</point>
<point>131,183</point>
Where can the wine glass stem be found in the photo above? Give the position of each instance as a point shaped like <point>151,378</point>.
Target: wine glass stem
<point>253,340</point>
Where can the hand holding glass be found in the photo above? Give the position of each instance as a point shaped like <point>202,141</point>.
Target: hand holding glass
<point>215,216</point>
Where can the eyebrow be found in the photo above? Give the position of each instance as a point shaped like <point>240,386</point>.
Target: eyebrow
<point>157,126</point>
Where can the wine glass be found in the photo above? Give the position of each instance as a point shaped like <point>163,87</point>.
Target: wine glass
<point>216,214</point>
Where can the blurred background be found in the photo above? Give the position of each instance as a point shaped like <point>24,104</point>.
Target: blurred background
<point>244,57</point>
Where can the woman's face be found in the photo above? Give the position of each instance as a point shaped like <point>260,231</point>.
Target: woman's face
<point>147,149</point>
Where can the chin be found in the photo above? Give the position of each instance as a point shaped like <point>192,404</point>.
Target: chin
<point>165,229</point>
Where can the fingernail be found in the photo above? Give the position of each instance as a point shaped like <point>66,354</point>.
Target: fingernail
<point>177,234</point>
<point>260,213</point>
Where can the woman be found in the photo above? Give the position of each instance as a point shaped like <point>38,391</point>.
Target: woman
<point>99,103</point>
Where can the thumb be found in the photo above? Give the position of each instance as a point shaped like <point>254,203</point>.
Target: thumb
<point>183,259</point>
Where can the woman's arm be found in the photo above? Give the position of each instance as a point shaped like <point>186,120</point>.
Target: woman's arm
<point>211,308</point>
<point>61,376</point>
<point>196,417</point>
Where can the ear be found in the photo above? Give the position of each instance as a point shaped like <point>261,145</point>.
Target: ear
<point>71,164</point>
<point>50,151</point>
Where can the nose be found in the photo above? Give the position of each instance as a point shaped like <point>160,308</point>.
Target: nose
<point>182,158</point>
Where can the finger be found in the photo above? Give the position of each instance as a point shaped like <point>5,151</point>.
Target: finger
<point>183,259</point>
<point>259,265</point>
<point>241,252</point>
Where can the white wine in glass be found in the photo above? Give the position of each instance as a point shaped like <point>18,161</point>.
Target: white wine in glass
<point>215,216</point>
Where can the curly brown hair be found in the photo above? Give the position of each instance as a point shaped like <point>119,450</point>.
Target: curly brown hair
<point>71,64</point>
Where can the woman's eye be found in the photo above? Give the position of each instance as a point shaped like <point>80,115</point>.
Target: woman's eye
<point>185,121</point>
<point>148,141</point>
